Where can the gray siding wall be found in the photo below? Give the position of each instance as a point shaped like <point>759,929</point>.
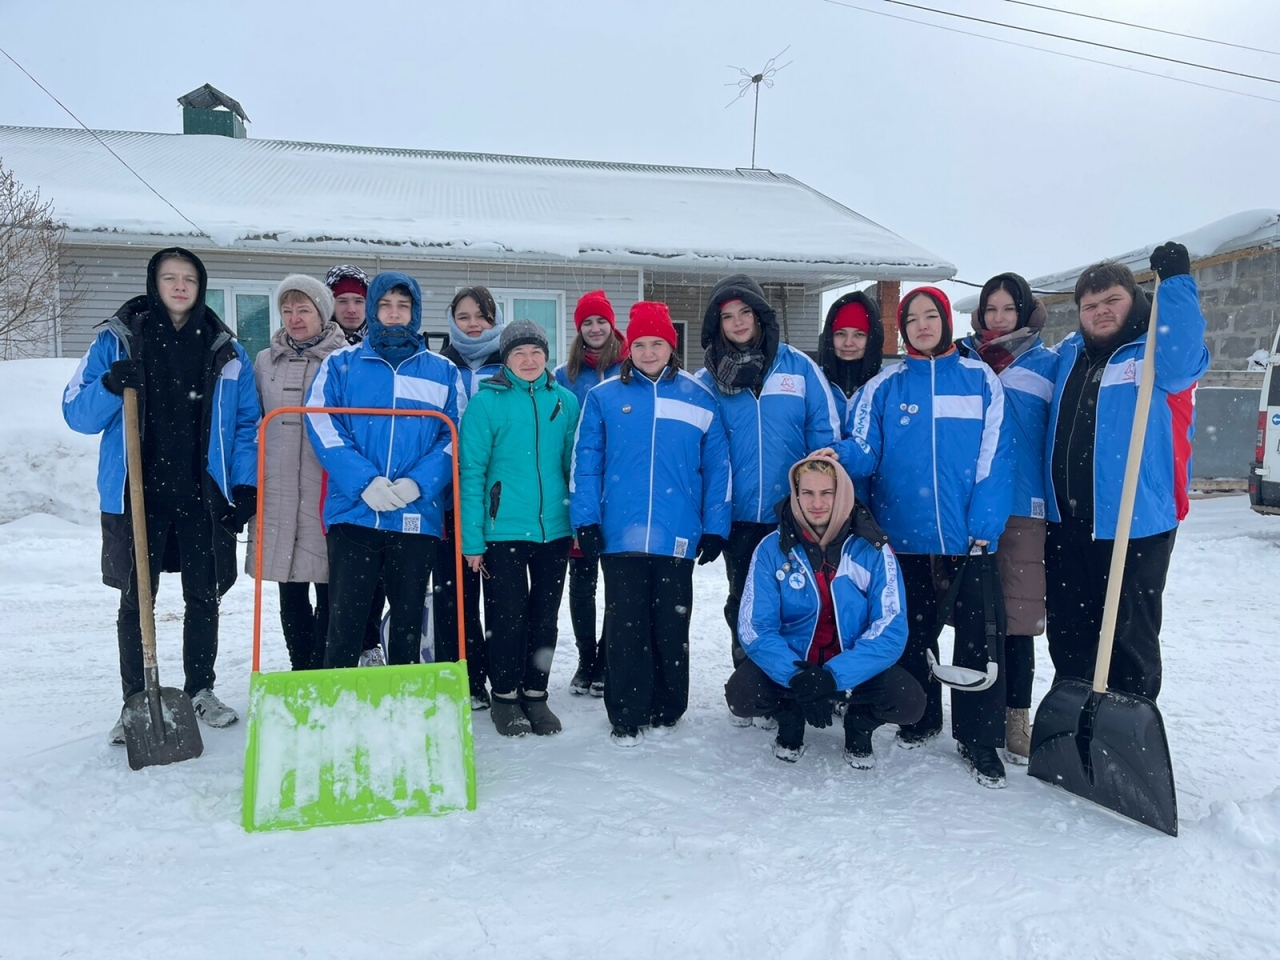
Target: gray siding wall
<point>113,274</point>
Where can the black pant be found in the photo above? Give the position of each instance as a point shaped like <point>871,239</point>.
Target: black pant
<point>1078,567</point>
<point>521,603</point>
<point>584,574</point>
<point>744,537</point>
<point>358,558</point>
<point>977,718</point>
<point>1020,665</point>
<point>444,610</point>
<point>892,696</point>
<point>647,604</point>
<point>193,532</point>
<point>305,627</point>
<point>373,626</point>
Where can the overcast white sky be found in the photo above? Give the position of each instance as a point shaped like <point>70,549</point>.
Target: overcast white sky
<point>995,157</point>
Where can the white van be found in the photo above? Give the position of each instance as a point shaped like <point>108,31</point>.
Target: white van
<point>1264,477</point>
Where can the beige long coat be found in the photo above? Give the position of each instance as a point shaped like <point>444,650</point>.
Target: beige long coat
<point>293,548</point>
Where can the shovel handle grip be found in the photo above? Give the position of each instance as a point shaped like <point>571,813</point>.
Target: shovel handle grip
<point>141,554</point>
<point>1128,496</point>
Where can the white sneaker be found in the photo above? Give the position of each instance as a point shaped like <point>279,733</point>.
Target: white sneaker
<point>212,710</point>
<point>116,736</point>
<point>373,657</point>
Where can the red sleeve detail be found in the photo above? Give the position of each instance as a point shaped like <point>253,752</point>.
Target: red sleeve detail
<point>1182,407</point>
<point>324,493</point>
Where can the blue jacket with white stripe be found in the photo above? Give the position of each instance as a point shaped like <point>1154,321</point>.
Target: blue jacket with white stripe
<point>354,449</point>
<point>794,415</point>
<point>587,378</point>
<point>651,465</point>
<point>931,433</point>
<point>232,408</point>
<point>780,608</point>
<point>1028,389</point>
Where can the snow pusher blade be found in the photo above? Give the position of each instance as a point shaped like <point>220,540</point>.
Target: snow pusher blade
<point>354,745</point>
<point>160,727</point>
<point>1104,745</point>
<point>1109,748</point>
<point>362,743</point>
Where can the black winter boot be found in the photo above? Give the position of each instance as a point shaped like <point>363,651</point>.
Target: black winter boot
<point>858,727</point>
<point>984,763</point>
<point>789,743</point>
<point>508,718</point>
<point>541,719</point>
<point>598,672</point>
<point>581,682</point>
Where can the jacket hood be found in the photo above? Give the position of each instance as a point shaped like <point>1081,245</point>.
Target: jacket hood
<point>739,287</point>
<point>848,375</point>
<point>841,510</point>
<point>944,307</point>
<point>153,288</point>
<point>384,282</point>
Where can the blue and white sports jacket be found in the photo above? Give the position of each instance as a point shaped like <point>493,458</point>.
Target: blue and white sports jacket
<point>794,415</point>
<point>781,604</point>
<point>355,449</point>
<point>231,457</point>
<point>1028,390</point>
<point>931,434</point>
<point>651,466</point>
<point>587,379</point>
<point>1181,359</point>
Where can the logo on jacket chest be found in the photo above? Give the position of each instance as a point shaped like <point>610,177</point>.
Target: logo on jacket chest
<point>787,384</point>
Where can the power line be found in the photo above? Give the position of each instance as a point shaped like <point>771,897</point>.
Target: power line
<point>1056,53</point>
<point>1070,39</point>
<point>106,145</point>
<point>1143,26</point>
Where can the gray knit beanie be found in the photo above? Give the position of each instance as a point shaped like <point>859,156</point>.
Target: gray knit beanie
<point>520,333</point>
<point>312,288</point>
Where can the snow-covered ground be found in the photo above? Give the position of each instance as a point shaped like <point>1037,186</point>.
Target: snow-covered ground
<point>697,845</point>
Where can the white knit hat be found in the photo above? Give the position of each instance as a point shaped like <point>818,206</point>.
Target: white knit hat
<point>312,288</point>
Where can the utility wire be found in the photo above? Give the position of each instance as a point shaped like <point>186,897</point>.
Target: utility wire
<point>1056,53</point>
<point>1143,26</point>
<point>1090,43</point>
<point>106,145</point>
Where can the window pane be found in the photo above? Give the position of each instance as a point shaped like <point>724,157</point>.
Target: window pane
<point>216,300</point>
<point>253,322</point>
<point>542,312</point>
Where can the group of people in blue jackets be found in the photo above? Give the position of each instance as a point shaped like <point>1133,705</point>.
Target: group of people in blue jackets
<point>858,505</point>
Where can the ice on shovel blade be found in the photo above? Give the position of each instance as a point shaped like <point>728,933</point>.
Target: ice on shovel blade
<point>350,746</point>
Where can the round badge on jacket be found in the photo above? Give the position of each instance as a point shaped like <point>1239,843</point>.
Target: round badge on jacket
<point>796,581</point>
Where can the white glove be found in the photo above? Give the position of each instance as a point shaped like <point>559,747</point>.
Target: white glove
<point>381,496</point>
<point>406,489</point>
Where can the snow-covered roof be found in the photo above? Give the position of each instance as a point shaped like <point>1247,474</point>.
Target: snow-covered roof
<point>426,203</point>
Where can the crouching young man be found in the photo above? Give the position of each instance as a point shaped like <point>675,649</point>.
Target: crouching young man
<point>823,619</point>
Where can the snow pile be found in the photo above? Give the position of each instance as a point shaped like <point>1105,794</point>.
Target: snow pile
<point>45,466</point>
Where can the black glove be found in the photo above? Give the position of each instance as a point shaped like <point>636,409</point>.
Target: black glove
<point>243,510</point>
<point>591,542</point>
<point>814,686</point>
<point>710,546</point>
<point>123,375</point>
<point>1170,260</point>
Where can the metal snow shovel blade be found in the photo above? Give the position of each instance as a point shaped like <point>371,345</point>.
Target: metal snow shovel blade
<point>1105,746</point>
<point>359,744</point>
<point>159,723</point>
<point>966,678</point>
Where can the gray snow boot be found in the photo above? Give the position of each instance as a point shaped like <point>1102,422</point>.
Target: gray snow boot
<point>508,718</point>
<point>541,719</point>
<point>1017,736</point>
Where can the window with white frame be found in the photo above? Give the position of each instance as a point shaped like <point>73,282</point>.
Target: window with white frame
<point>543,307</point>
<point>248,307</point>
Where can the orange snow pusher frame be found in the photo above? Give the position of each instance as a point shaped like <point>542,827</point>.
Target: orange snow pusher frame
<point>360,744</point>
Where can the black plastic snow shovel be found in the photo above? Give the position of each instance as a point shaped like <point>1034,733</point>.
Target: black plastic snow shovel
<point>1107,746</point>
<point>159,723</point>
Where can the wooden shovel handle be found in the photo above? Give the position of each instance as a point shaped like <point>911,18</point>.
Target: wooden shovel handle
<point>1128,495</point>
<point>142,558</point>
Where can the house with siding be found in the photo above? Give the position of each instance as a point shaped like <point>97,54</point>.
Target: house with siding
<point>537,231</point>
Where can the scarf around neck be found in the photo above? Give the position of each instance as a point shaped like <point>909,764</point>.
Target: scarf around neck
<point>476,350</point>
<point>734,368</point>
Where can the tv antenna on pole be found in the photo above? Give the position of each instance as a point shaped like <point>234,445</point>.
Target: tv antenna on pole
<point>751,80</point>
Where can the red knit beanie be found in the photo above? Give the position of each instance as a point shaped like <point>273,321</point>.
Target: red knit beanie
<point>349,285</point>
<point>650,319</point>
<point>594,303</point>
<point>852,316</point>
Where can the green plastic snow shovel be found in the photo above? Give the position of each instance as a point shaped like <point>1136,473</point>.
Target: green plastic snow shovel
<point>1106,746</point>
<point>159,723</point>
<point>360,744</point>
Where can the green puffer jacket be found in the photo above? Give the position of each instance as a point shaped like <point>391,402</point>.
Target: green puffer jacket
<point>517,446</point>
